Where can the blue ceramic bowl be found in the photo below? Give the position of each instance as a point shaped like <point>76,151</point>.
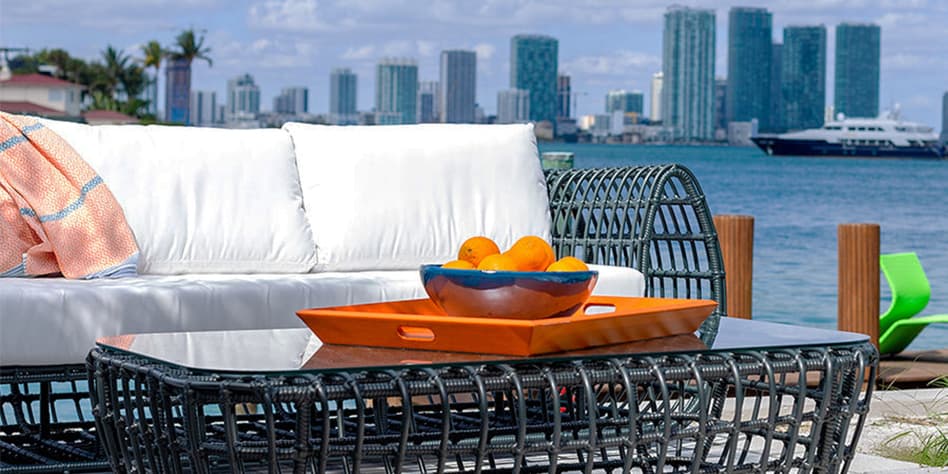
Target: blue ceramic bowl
<point>501,294</point>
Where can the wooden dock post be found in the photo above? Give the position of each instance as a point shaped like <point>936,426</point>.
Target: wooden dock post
<point>858,284</point>
<point>736,236</point>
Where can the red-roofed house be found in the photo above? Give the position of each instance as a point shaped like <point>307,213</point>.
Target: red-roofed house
<point>107,117</point>
<point>39,94</point>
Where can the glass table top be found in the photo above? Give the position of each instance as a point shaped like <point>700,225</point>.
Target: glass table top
<point>299,350</point>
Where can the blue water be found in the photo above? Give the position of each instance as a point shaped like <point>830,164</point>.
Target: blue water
<point>797,204</point>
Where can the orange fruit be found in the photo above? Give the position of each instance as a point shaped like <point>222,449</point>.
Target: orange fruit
<point>460,264</point>
<point>532,254</point>
<point>498,261</point>
<point>474,250</point>
<point>567,264</point>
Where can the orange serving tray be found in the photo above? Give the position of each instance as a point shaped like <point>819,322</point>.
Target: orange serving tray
<point>420,324</point>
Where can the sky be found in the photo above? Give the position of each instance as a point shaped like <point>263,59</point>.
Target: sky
<point>603,44</point>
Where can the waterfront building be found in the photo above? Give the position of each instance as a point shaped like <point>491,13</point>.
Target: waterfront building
<point>534,60</point>
<point>396,91</point>
<point>428,99</point>
<point>292,101</point>
<point>177,90</point>
<point>655,114</point>
<point>458,86</point>
<point>688,73</point>
<point>749,50</point>
<point>564,96</point>
<point>203,108</point>
<point>39,94</point>
<point>856,91</point>
<point>513,106</point>
<point>243,98</point>
<point>342,97</point>
<point>721,104</point>
<point>944,117</point>
<point>150,94</point>
<point>625,101</point>
<point>803,78</point>
<point>776,102</point>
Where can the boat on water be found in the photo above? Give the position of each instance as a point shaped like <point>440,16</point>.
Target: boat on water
<point>885,136</point>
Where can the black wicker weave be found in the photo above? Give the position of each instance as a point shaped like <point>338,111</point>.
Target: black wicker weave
<point>652,218</point>
<point>784,410</point>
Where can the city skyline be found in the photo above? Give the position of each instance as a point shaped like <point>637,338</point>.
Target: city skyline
<point>614,45</point>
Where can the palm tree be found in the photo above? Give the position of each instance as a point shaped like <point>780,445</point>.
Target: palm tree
<point>153,54</point>
<point>116,65</point>
<point>191,47</point>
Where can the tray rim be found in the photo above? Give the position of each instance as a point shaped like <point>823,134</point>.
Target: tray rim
<point>672,305</point>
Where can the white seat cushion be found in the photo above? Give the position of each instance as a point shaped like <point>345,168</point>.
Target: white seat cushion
<point>202,200</point>
<point>395,197</point>
<point>48,321</point>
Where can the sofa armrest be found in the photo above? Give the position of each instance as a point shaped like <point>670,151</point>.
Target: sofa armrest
<point>651,218</point>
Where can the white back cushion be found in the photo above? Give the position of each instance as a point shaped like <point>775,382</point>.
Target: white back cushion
<point>394,197</point>
<point>202,200</point>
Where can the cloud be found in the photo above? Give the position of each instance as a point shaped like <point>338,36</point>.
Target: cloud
<point>619,63</point>
<point>485,51</point>
<point>290,15</point>
<point>360,53</point>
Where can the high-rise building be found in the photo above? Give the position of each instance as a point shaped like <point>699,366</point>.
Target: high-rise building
<point>688,73</point>
<point>564,96</point>
<point>534,60</point>
<point>342,97</point>
<point>655,114</point>
<point>749,50</point>
<point>428,99</point>
<point>203,111</point>
<point>857,70</point>
<point>177,90</point>
<point>396,91</point>
<point>243,98</point>
<point>292,101</point>
<point>721,104</point>
<point>944,117</point>
<point>803,78</point>
<point>624,101</point>
<point>776,102</point>
<point>513,106</point>
<point>458,86</point>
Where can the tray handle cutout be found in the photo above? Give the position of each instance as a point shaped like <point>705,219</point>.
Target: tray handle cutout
<point>598,308</point>
<point>416,334</point>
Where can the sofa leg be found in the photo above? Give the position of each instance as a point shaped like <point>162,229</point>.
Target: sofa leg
<point>44,409</point>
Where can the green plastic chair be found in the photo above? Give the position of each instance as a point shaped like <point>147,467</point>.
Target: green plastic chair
<point>910,294</point>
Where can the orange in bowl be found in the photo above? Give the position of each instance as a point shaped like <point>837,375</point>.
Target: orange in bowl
<point>475,249</point>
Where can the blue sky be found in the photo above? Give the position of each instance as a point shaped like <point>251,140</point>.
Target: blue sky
<point>604,44</point>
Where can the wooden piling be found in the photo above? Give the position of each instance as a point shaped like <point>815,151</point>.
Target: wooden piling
<point>736,236</point>
<point>858,284</point>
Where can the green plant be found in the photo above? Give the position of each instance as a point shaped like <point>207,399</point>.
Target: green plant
<point>930,449</point>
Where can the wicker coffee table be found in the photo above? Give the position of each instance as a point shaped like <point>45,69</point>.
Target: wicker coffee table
<point>762,397</point>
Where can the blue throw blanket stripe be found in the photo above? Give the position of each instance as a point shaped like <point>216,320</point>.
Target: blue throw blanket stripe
<point>17,271</point>
<point>86,188</point>
<point>128,268</point>
<point>11,142</point>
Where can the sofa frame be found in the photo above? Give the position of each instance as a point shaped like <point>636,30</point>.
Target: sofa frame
<point>651,218</point>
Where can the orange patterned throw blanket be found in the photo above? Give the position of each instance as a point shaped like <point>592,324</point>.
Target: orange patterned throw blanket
<point>56,215</point>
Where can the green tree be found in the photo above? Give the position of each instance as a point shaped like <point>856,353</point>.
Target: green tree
<point>190,47</point>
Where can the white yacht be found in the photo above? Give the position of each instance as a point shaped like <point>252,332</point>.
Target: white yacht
<point>886,136</point>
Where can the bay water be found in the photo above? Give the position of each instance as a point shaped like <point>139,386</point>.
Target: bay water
<point>797,203</point>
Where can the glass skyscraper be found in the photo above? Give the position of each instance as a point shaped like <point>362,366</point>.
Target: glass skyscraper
<point>857,70</point>
<point>625,101</point>
<point>534,60</point>
<point>458,86</point>
<point>178,91</point>
<point>342,97</point>
<point>243,98</point>
<point>396,92</point>
<point>776,96</point>
<point>564,96</point>
<point>749,65</point>
<point>688,73</point>
<point>803,78</point>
